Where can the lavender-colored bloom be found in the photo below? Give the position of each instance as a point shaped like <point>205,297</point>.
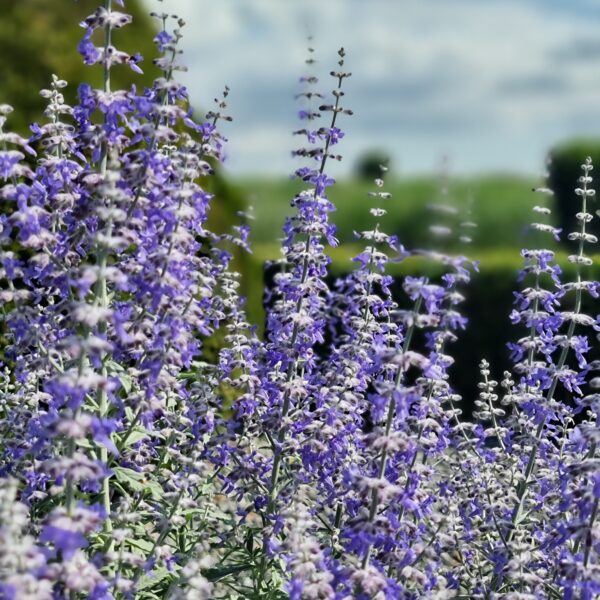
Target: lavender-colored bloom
<point>65,541</point>
<point>88,50</point>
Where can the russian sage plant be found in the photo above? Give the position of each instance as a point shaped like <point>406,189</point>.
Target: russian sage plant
<point>326,459</point>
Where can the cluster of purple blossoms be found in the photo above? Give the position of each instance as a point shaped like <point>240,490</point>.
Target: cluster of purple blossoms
<point>327,459</point>
<point>109,287</point>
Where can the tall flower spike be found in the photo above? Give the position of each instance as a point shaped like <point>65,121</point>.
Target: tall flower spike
<point>579,472</point>
<point>296,324</point>
<point>539,395</point>
<point>106,19</point>
<point>467,225</point>
<point>410,423</point>
<point>545,211</point>
<point>443,206</point>
<point>360,308</point>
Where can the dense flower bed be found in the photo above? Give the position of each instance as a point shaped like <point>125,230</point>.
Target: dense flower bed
<point>326,460</point>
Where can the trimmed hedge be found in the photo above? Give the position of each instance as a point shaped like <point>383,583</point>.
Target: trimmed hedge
<point>488,304</point>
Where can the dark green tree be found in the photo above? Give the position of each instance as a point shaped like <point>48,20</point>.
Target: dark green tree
<point>368,165</point>
<point>40,37</point>
<point>563,172</point>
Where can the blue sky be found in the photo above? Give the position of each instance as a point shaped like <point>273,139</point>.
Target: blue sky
<point>492,84</point>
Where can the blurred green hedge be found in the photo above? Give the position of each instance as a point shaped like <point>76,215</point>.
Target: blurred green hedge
<point>500,204</point>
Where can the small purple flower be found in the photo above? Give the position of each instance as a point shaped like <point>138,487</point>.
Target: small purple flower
<point>294,589</point>
<point>9,161</point>
<point>162,39</point>
<point>91,54</point>
<point>334,135</point>
<point>65,541</point>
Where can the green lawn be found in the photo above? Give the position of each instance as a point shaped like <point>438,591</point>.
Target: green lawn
<point>500,205</point>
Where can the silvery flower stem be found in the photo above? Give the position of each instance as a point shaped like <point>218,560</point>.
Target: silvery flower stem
<point>532,331</point>
<point>522,490</point>
<point>278,452</point>
<point>339,512</point>
<point>152,145</point>
<point>102,299</point>
<point>588,542</point>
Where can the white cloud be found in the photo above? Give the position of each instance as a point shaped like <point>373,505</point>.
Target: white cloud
<point>492,82</point>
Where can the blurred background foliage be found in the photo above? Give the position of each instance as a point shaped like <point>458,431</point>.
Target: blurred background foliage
<point>499,204</point>
<point>38,38</point>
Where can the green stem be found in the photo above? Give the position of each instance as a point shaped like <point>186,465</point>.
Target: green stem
<point>101,299</point>
<point>389,421</point>
<point>588,543</point>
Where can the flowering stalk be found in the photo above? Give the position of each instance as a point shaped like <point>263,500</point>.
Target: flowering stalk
<point>317,191</point>
<point>578,259</point>
<point>536,374</point>
<point>101,292</point>
<point>361,306</point>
